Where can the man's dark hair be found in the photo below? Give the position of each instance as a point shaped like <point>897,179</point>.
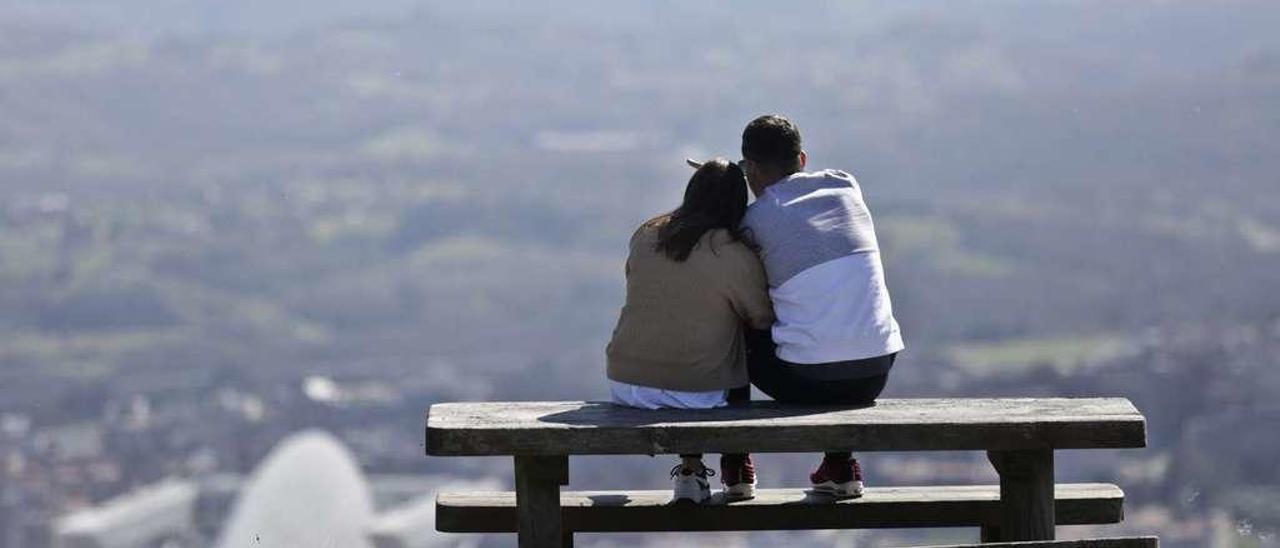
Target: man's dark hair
<point>773,141</point>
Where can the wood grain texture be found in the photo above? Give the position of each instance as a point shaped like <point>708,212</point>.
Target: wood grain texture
<point>1119,542</point>
<point>1026,494</point>
<point>592,428</point>
<point>775,509</point>
<point>537,500</point>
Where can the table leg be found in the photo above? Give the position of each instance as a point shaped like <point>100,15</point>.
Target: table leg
<point>538,481</point>
<point>1026,494</point>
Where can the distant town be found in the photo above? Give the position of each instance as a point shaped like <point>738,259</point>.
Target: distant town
<point>210,242</point>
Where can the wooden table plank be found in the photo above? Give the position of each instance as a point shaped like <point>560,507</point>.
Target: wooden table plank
<point>775,509</point>
<point>593,428</point>
<point>1122,542</point>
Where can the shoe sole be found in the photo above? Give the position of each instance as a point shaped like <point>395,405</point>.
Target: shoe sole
<point>852,489</point>
<point>741,491</point>
<point>684,501</point>
<point>692,496</point>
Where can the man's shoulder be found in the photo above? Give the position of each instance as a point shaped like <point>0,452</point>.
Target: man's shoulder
<point>756,209</point>
<point>829,178</point>
<point>794,192</point>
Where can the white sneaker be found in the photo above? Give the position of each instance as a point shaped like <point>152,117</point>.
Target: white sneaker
<point>689,485</point>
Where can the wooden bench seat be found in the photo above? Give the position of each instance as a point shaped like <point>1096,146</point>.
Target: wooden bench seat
<point>593,428</point>
<point>1124,542</point>
<point>775,509</point>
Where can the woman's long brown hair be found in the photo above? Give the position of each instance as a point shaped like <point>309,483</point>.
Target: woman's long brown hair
<point>716,197</point>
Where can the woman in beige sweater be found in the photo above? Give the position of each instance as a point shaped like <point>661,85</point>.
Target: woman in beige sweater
<point>693,283</point>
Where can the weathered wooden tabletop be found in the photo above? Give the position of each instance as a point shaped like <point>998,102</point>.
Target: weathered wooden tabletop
<point>594,428</point>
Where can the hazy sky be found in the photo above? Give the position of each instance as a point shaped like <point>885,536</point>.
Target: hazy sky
<point>186,17</point>
<point>262,18</point>
<point>1189,29</point>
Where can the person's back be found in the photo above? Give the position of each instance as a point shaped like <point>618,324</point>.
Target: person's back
<point>826,281</point>
<point>681,326</point>
<point>835,338</point>
<point>693,286</point>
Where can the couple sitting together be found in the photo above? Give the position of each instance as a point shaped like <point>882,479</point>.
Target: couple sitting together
<point>787,294</point>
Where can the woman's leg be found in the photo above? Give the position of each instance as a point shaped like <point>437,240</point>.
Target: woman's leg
<point>692,462</point>
<point>689,480</point>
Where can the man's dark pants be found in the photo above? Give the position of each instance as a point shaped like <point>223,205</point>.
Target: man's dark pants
<point>854,383</point>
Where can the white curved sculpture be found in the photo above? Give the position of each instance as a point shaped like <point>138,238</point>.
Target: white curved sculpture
<point>143,517</point>
<point>309,492</point>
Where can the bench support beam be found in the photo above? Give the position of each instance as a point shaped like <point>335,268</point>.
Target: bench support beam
<point>538,481</point>
<point>1026,495</point>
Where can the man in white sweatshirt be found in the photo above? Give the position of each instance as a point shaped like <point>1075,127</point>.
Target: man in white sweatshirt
<point>835,337</point>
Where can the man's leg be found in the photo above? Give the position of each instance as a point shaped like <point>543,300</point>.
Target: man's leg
<point>853,392</point>
<point>785,382</point>
<point>736,396</point>
<point>840,474</point>
<point>770,374</point>
<point>857,392</point>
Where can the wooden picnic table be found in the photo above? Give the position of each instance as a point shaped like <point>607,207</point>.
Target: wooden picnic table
<point>1019,435</point>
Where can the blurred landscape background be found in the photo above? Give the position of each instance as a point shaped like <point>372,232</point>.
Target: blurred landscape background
<point>225,222</point>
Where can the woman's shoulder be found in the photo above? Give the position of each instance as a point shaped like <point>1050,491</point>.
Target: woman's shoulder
<point>648,230</point>
<point>724,242</point>
<point>718,236</point>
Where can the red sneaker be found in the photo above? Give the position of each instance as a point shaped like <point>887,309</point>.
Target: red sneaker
<point>738,477</point>
<point>841,478</point>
